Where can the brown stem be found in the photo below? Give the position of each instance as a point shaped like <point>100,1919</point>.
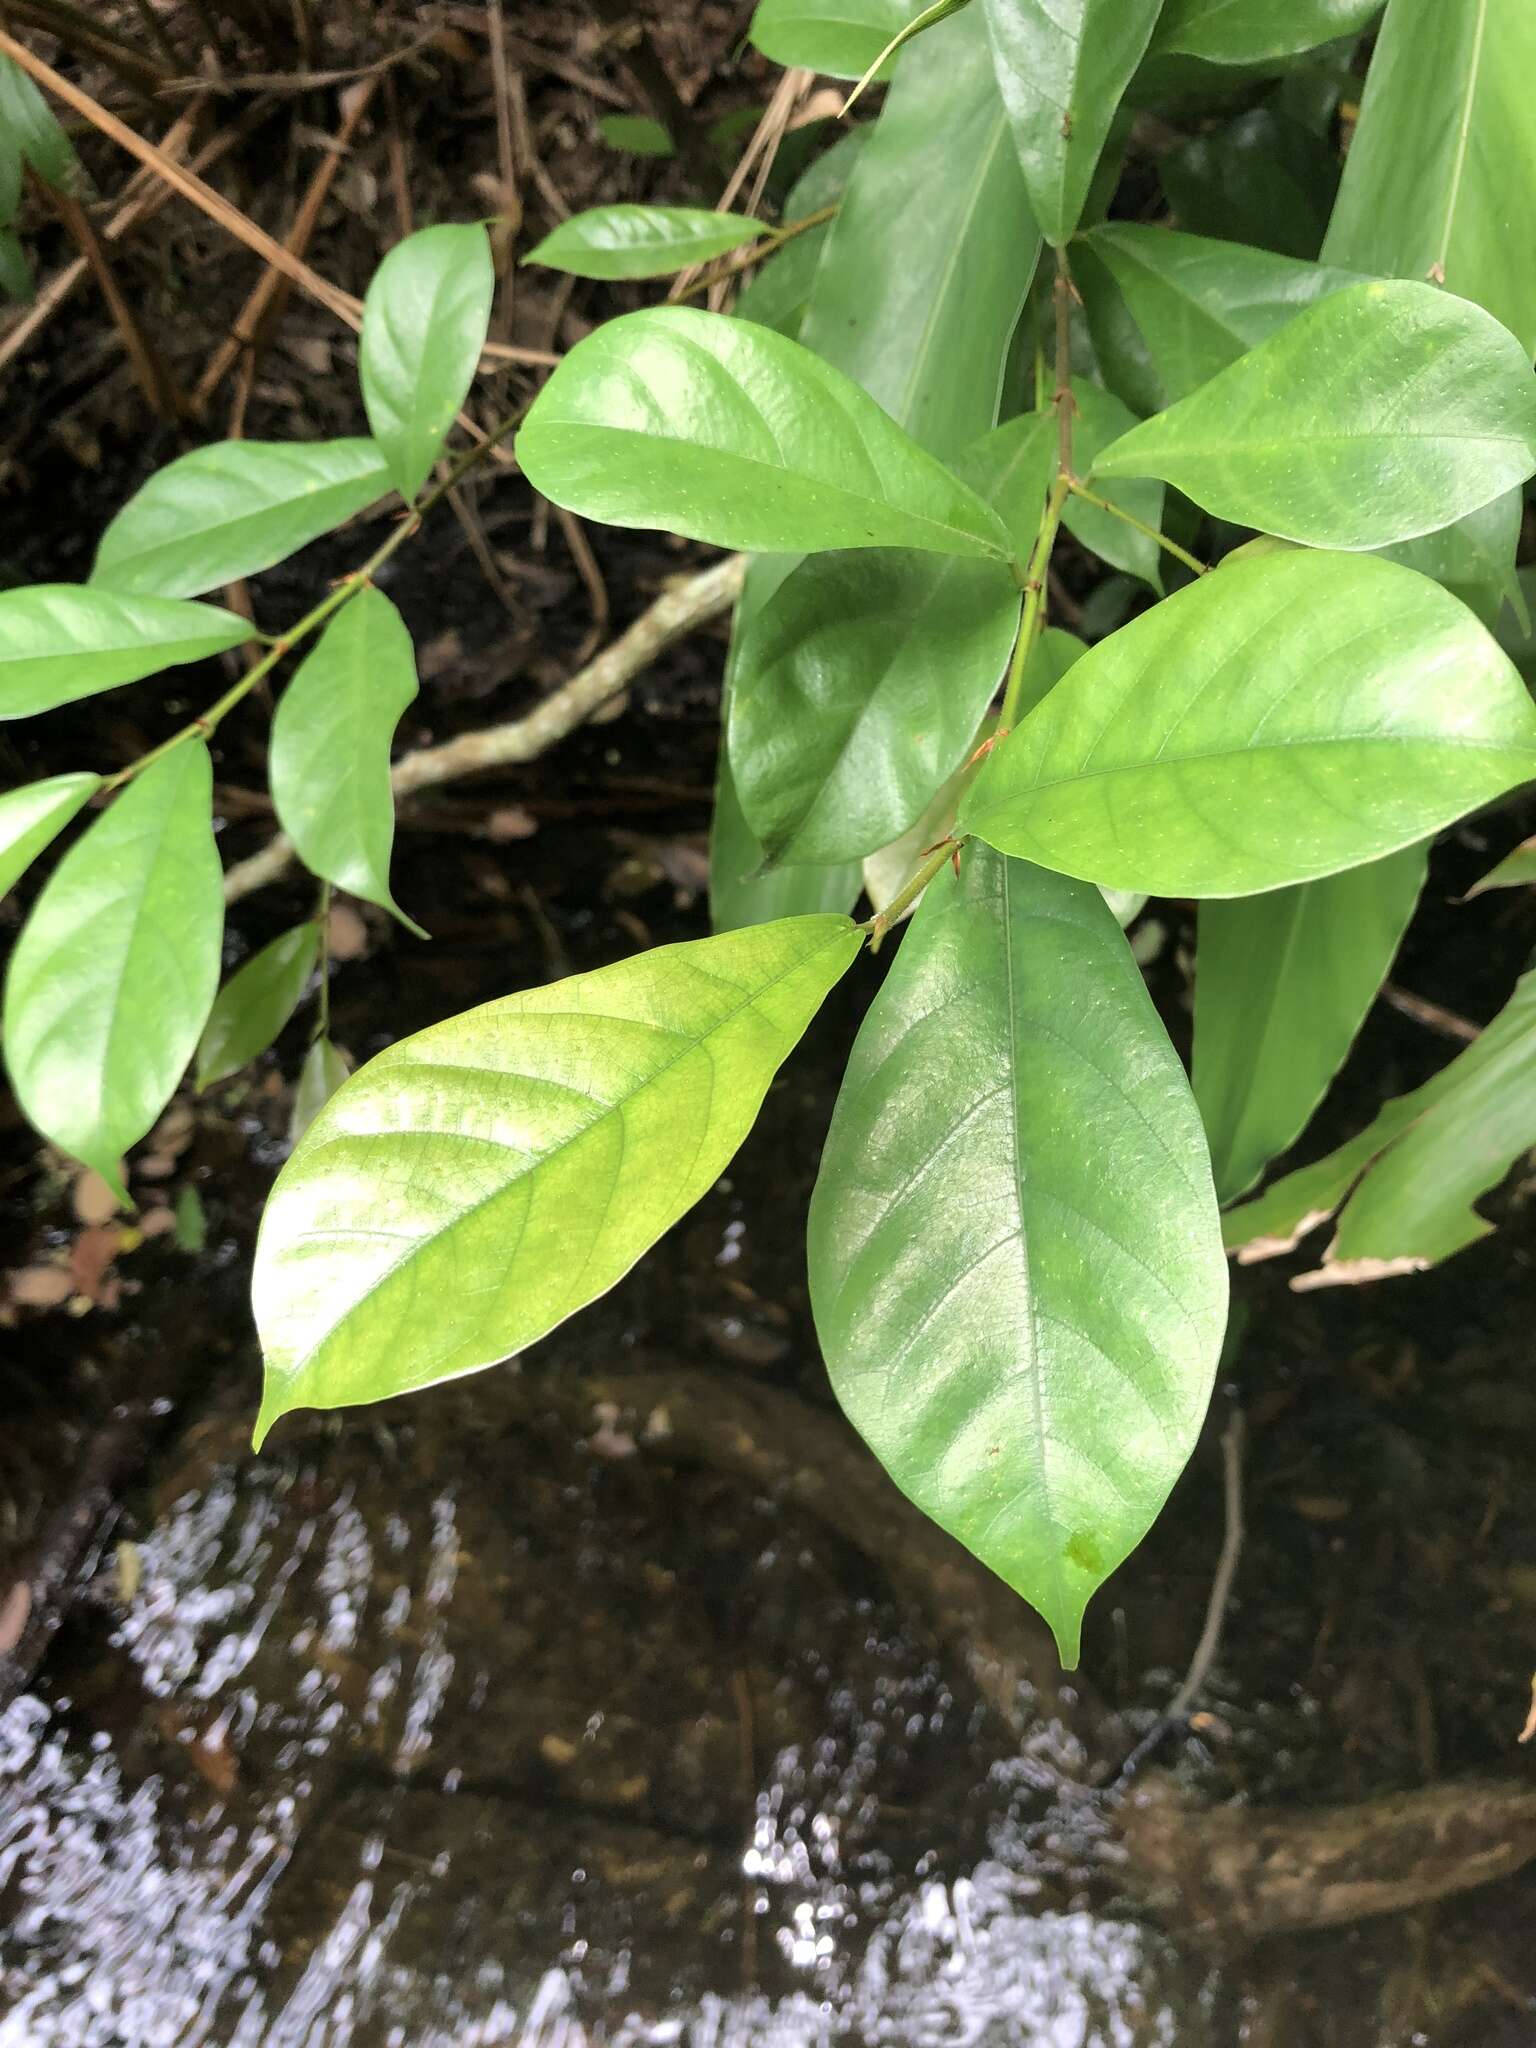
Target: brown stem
<point>1065,403</point>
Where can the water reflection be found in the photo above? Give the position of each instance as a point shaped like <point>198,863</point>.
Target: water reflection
<point>405,1749</point>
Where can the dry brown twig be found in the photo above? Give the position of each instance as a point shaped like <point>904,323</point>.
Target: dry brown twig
<point>677,612</point>
<point>142,200</point>
<point>265,301</point>
<point>150,368</point>
<point>341,303</point>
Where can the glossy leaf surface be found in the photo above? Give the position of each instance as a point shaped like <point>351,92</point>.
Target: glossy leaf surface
<point>1024,1330</point>
<point>642,241</point>
<point>1201,303</point>
<point>474,1185</point>
<point>60,642</point>
<point>1062,66</point>
<point>840,37</point>
<point>1383,412</point>
<point>32,817</point>
<point>330,747</point>
<point>255,1003</point>
<point>844,736</point>
<point>1282,984</point>
<point>322,1073</point>
<point>424,325</point>
<point>1444,154</point>
<point>1288,716</point>
<point>232,509</point>
<point>724,431</point>
<point>1256,31</point>
<point>930,257</point>
<point>116,969</point>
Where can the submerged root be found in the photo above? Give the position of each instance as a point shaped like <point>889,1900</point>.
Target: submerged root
<point>1237,1874</point>
<point>1228,1875</point>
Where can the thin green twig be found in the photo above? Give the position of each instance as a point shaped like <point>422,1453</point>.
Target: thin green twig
<point>1192,562</point>
<point>204,726</point>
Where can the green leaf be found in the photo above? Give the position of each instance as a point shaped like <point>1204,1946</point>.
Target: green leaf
<point>322,1073</point>
<point>839,37</point>
<point>838,739</point>
<point>920,24</point>
<point>642,241</point>
<point>928,262</point>
<point>424,324</point>
<point>916,297</point>
<point>60,642</point>
<point>1201,304</point>
<point>476,1184</point>
<point>1515,871</point>
<point>1049,659</point>
<point>1288,716</point>
<point>330,748</point>
<point>1025,1331</point>
<point>191,1221</point>
<point>16,279</point>
<point>1413,1206</point>
<point>1062,68</point>
<point>26,117</point>
<point>1475,557</point>
<point>33,816</point>
<point>228,511</point>
<point>255,1003</point>
<point>842,738</point>
<point>1101,418</point>
<point>637,134</point>
<point>115,970</point>
<point>10,176</point>
<point>1282,984</point>
<point>781,288</point>
<point>1260,179</point>
<point>1383,412</point>
<point>1275,1222</point>
<point>887,871</point>
<point>1444,142</point>
<point>1255,31</point>
<point>741,893</point>
<point>723,431</point>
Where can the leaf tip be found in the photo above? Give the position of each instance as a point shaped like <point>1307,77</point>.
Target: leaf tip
<point>271,1412</point>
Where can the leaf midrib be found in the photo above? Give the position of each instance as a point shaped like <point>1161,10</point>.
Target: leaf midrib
<point>1436,741</point>
<point>980,547</point>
